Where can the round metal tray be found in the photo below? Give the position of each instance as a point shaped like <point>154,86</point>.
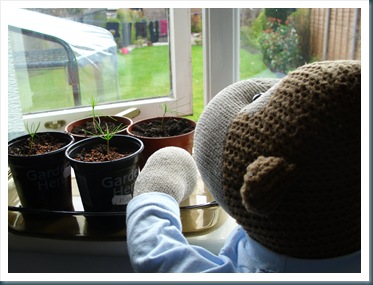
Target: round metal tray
<point>199,213</point>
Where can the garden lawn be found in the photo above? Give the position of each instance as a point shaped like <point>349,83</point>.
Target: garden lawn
<point>148,68</point>
<point>144,72</point>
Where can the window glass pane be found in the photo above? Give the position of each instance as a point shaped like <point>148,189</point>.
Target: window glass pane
<point>60,70</point>
<point>275,41</point>
<point>144,65</point>
<point>197,62</point>
<point>40,66</point>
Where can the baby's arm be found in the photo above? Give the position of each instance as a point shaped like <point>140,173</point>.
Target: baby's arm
<point>154,234</point>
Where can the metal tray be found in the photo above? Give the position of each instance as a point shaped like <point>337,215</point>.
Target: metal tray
<point>199,213</point>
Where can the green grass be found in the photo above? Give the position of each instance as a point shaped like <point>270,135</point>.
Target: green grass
<point>197,82</point>
<point>142,73</point>
<point>47,90</point>
<point>251,65</point>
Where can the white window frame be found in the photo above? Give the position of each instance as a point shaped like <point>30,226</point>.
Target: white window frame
<point>180,97</point>
<point>221,68</point>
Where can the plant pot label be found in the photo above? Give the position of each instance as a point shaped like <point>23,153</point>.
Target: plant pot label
<point>106,192</point>
<point>122,187</point>
<point>49,179</point>
<point>121,199</point>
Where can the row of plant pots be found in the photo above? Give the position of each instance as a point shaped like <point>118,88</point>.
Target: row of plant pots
<point>43,180</point>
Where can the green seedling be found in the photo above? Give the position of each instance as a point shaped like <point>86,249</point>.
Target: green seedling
<point>32,130</point>
<point>166,109</point>
<point>95,116</point>
<point>93,104</point>
<point>107,134</point>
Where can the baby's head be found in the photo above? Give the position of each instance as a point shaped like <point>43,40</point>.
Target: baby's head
<point>286,164</point>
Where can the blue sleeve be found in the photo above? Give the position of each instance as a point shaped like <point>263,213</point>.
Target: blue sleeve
<point>156,243</point>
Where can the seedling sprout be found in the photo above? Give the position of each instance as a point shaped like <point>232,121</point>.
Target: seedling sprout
<point>32,130</point>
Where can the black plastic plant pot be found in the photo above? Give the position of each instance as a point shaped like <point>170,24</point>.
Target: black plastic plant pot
<point>106,186</point>
<point>43,181</point>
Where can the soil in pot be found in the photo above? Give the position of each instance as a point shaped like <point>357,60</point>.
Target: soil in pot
<point>174,131</point>
<point>99,153</point>
<point>89,128</point>
<point>42,143</point>
<point>84,128</point>
<point>106,182</point>
<point>40,170</point>
<point>162,127</point>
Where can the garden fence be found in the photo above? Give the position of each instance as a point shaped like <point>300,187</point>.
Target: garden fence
<point>335,33</point>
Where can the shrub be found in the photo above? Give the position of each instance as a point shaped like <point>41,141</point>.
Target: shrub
<point>280,46</point>
<point>279,13</point>
<point>251,34</point>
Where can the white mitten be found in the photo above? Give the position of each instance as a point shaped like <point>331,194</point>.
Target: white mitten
<point>170,170</point>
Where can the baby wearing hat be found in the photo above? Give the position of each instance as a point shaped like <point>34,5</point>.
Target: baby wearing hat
<point>282,157</point>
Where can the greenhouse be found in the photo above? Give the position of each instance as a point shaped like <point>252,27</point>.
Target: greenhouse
<point>84,55</point>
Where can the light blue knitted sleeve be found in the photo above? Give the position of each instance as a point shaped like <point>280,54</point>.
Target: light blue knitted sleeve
<point>156,243</point>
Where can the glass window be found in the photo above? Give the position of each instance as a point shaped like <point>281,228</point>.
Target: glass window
<point>122,57</point>
<point>55,71</point>
<point>150,42</point>
<point>270,42</point>
<point>275,41</point>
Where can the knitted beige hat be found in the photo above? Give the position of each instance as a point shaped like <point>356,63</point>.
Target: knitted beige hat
<point>212,127</point>
<point>291,165</point>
